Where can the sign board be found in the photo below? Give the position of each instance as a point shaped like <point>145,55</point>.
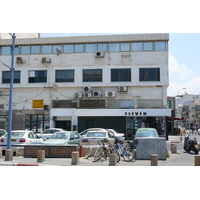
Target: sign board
<point>169,103</point>
<point>38,103</point>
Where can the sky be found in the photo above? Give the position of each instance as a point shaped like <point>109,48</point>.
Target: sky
<point>184,61</point>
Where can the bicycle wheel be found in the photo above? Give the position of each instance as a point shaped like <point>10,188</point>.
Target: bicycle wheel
<point>115,151</point>
<point>90,154</point>
<point>98,155</point>
<point>128,154</point>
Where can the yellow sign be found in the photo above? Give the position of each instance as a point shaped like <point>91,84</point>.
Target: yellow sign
<point>38,103</point>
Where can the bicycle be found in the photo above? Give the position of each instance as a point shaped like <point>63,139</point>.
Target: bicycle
<point>104,151</point>
<point>127,151</point>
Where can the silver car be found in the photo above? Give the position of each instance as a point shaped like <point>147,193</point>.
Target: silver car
<point>92,137</point>
<point>46,134</point>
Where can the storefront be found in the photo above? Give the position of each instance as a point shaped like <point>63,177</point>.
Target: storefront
<point>123,120</point>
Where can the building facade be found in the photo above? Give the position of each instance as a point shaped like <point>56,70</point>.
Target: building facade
<point>109,81</point>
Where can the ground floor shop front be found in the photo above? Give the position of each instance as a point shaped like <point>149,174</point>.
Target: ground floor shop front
<point>125,121</point>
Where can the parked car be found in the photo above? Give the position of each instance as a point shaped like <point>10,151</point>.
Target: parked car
<point>83,133</point>
<point>146,133</point>
<point>20,137</point>
<point>92,137</point>
<point>2,132</point>
<point>64,138</point>
<point>121,136</point>
<point>46,134</point>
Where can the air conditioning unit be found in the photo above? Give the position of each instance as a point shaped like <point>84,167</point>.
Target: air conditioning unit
<point>110,94</point>
<point>122,89</point>
<point>19,60</point>
<point>87,89</point>
<point>46,60</point>
<point>97,94</point>
<point>99,54</point>
<point>78,95</point>
<point>87,94</point>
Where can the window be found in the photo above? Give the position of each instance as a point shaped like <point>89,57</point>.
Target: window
<point>35,49</point>
<point>37,77</point>
<point>64,75</point>
<point>5,50</point>
<point>160,46</point>
<point>92,75</point>
<point>149,74</point>
<point>137,46</point>
<point>79,48</point>
<point>114,47</point>
<point>69,48</point>
<point>148,46</point>
<point>102,47</point>
<point>6,77</point>
<point>46,49</point>
<point>118,75</point>
<point>24,50</point>
<point>125,47</point>
<point>90,48</point>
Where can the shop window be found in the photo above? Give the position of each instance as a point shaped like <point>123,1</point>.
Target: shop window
<point>6,77</point>
<point>120,75</point>
<point>64,75</point>
<point>149,74</point>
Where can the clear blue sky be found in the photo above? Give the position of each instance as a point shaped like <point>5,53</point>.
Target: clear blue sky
<point>184,60</point>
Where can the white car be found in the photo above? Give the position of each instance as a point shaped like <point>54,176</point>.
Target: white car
<point>2,132</point>
<point>20,137</point>
<point>46,134</point>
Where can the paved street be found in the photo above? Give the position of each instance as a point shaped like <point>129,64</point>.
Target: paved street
<point>181,158</point>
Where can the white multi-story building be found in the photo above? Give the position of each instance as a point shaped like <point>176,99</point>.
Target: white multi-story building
<point>109,81</point>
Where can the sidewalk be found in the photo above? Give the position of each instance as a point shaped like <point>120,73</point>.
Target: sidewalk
<point>181,158</point>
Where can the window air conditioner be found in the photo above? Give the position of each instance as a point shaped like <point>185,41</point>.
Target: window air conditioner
<point>99,54</point>
<point>19,60</point>
<point>78,95</point>
<point>96,93</point>
<point>110,94</point>
<point>87,89</point>
<point>46,60</point>
<point>87,94</point>
<point>122,89</point>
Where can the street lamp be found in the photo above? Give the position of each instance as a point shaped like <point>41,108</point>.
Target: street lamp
<point>12,69</point>
<point>178,101</point>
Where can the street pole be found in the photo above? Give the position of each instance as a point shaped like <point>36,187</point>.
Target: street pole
<point>12,69</point>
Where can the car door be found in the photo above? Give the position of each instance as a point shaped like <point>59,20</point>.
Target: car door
<point>77,138</point>
<point>71,139</point>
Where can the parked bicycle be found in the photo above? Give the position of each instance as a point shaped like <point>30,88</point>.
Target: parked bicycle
<point>126,149</point>
<point>104,151</point>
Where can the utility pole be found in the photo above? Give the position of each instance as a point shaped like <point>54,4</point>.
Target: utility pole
<point>12,69</point>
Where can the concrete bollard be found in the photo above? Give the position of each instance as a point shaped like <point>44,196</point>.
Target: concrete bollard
<point>172,145</point>
<point>154,160</point>
<point>9,155</point>
<point>196,160</point>
<point>113,160</point>
<point>0,152</point>
<point>174,149</point>
<point>41,156</point>
<point>19,151</point>
<point>75,157</point>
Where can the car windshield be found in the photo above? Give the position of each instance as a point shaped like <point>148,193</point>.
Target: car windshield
<point>60,136</point>
<point>96,134</point>
<point>17,134</point>
<point>146,133</point>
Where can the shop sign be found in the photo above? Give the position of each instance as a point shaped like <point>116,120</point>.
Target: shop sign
<point>38,103</point>
<point>135,113</point>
